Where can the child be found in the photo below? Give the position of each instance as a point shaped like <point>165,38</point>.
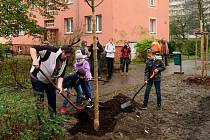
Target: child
<point>73,80</point>
<point>153,66</point>
<point>86,85</point>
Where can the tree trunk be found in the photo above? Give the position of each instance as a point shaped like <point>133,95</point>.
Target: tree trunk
<point>202,55</point>
<point>207,55</point>
<point>96,96</point>
<point>196,54</point>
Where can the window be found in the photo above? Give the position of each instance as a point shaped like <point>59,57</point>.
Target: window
<point>68,25</point>
<point>49,23</point>
<point>50,9</point>
<point>98,23</point>
<point>68,1</point>
<point>89,24</point>
<point>152,25</point>
<point>152,3</point>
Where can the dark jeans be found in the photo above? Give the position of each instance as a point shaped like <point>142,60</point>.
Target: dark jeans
<point>110,63</point>
<point>79,92</point>
<point>148,89</point>
<point>165,60</point>
<point>39,88</point>
<point>92,67</point>
<point>87,89</point>
<point>125,63</point>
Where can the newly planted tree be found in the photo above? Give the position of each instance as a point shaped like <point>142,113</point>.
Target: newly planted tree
<point>93,4</point>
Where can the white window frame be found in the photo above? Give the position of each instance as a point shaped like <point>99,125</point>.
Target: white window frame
<point>152,3</point>
<point>68,24</point>
<point>68,1</point>
<point>154,31</point>
<point>49,23</point>
<point>98,23</point>
<point>89,24</point>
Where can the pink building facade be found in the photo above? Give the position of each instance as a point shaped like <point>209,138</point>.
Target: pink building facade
<point>121,20</point>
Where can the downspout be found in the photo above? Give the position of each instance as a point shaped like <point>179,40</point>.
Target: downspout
<point>77,14</point>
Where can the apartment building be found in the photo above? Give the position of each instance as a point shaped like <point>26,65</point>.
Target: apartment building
<point>118,19</point>
<point>184,7</point>
<point>176,7</point>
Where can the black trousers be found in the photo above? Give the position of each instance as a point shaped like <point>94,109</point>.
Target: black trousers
<point>165,59</point>
<point>125,63</point>
<point>110,63</point>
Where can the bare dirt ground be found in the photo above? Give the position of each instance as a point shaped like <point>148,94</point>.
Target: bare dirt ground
<point>185,114</point>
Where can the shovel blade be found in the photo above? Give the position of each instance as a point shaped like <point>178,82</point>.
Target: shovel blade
<point>125,105</point>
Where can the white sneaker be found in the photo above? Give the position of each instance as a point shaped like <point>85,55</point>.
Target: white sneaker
<point>90,103</point>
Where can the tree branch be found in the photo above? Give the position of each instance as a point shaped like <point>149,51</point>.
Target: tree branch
<point>89,4</point>
<point>99,3</point>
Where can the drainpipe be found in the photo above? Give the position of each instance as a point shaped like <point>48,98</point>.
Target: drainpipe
<point>77,14</point>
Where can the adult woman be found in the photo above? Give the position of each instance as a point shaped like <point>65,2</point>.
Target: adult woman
<point>125,57</point>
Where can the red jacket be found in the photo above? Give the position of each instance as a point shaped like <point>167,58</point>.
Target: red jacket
<point>126,52</point>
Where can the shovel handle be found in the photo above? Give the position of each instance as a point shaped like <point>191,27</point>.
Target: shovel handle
<point>153,74</point>
<point>61,93</point>
<point>138,91</point>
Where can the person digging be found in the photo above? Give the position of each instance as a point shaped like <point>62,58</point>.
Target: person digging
<point>154,67</point>
<point>70,81</point>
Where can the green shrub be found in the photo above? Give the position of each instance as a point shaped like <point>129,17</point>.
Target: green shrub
<point>3,48</point>
<point>18,111</point>
<point>186,47</point>
<point>189,47</point>
<point>171,46</point>
<point>18,117</point>
<point>15,71</point>
<point>142,47</point>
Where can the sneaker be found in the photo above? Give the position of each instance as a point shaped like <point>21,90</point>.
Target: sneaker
<point>89,103</point>
<point>63,109</point>
<point>143,107</point>
<point>126,74</point>
<point>158,106</point>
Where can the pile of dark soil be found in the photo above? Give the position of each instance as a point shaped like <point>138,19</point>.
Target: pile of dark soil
<point>197,81</point>
<point>107,117</point>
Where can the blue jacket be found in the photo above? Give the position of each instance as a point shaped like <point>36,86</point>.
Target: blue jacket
<point>71,80</point>
<point>150,66</point>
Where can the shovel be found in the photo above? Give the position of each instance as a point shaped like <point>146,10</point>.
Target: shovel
<point>61,93</point>
<point>129,103</point>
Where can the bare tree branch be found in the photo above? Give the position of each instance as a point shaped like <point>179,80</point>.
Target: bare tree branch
<point>99,3</point>
<point>75,37</point>
<point>89,3</point>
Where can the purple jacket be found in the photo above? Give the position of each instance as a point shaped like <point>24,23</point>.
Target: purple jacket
<point>84,65</point>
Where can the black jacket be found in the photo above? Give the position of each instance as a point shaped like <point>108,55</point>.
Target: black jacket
<point>99,51</point>
<point>150,66</point>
